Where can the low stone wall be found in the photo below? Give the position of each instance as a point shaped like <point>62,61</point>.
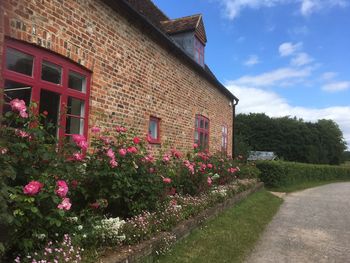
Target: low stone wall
<point>139,252</point>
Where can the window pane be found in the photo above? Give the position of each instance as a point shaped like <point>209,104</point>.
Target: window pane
<point>201,125</point>
<point>15,90</point>
<point>206,125</point>
<point>51,72</point>
<point>201,138</point>
<point>153,129</point>
<point>49,103</point>
<point>197,122</point>
<point>75,107</point>
<point>196,137</point>
<point>74,125</point>
<point>19,62</point>
<point>76,81</point>
<point>206,140</point>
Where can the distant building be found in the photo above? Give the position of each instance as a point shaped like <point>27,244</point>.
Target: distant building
<point>261,156</point>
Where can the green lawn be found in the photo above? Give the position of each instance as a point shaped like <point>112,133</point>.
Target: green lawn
<point>230,236</point>
<point>302,186</point>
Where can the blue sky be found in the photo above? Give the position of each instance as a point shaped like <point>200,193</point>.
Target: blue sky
<point>281,57</point>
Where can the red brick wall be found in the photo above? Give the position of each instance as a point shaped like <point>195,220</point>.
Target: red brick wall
<point>133,76</point>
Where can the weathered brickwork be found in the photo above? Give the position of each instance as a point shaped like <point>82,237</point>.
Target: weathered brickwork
<point>133,76</point>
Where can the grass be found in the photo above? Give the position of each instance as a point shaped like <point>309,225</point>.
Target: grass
<point>230,236</point>
<point>303,185</point>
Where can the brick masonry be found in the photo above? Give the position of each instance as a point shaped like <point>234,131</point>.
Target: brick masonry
<point>133,76</point>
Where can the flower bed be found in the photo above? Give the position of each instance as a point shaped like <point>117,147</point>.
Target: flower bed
<point>112,192</point>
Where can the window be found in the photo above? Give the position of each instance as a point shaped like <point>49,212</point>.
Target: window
<point>60,87</point>
<point>199,51</point>
<point>201,134</point>
<point>224,138</point>
<point>153,130</point>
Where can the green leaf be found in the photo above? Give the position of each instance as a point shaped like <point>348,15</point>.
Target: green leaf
<point>35,210</point>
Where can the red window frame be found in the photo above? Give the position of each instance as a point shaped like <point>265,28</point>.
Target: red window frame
<point>224,138</point>
<point>202,130</point>
<point>199,51</point>
<point>38,84</point>
<point>151,139</point>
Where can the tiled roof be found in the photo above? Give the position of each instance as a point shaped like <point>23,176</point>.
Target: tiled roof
<point>183,24</point>
<point>149,10</point>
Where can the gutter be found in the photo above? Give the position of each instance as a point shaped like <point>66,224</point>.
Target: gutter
<point>167,41</point>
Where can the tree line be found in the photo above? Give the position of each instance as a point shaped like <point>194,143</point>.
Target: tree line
<point>291,139</point>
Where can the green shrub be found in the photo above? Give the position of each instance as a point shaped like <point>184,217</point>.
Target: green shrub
<point>281,174</point>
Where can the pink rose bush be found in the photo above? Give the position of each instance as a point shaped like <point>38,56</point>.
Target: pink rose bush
<point>20,107</point>
<point>65,204</point>
<point>62,188</point>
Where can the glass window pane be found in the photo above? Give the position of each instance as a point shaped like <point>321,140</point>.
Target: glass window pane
<point>49,103</point>
<point>197,122</point>
<point>51,72</point>
<point>196,136</point>
<point>153,129</point>
<point>76,81</point>
<point>15,90</point>
<point>75,107</point>
<point>19,61</point>
<point>206,125</point>
<point>201,138</point>
<point>201,125</point>
<point>74,125</point>
<point>206,140</point>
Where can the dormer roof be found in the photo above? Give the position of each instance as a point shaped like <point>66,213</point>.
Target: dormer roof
<point>186,24</point>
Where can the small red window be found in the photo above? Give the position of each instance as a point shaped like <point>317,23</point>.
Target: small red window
<point>201,133</point>
<point>199,51</point>
<point>224,138</point>
<point>153,130</point>
<point>60,87</point>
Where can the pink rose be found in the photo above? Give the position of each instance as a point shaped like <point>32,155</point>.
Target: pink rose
<point>65,204</point>
<point>95,129</point>
<point>21,133</point>
<point>210,166</point>
<point>32,188</point>
<point>105,139</point>
<point>110,153</point>
<point>113,163</point>
<point>166,158</point>
<point>209,181</point>
<point>74,184</point>
<point>136,140</point>
<point>132,149</point>
<point>151,170</point>
<point>20,107</point>
<point>122,152</point>
<point>120,129</point>
<point>77,138</point>
<point>3,150</point>
<point>149,138</point>
<point>95,205</point>
<point>62,188</point>
<point>23,114</point>
<point>166,180</point>
<point>78,156</point>
<point>176,153</point>
<point>195,146</point>
<point>83,145</point>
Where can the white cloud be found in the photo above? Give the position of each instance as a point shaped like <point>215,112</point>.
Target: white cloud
<point>288,48</point>
<point>336,86</point>
<point>253,100</point>
<point>232,8</point>
<point>301,59</point>
<point>274,77</point>
<point>311,6</point>
<point>252,60</point>
<point>329,75</point>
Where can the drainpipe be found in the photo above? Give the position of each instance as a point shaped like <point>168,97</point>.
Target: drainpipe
<point>234,103</point>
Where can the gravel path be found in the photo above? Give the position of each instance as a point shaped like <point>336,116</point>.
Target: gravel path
<point>311,226</point>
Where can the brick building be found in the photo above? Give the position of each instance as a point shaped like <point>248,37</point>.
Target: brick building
<point>110,62</point>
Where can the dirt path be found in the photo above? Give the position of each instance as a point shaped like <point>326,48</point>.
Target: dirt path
<point>311,226</point>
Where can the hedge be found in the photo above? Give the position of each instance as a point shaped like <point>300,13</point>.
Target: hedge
<point>281,174</point>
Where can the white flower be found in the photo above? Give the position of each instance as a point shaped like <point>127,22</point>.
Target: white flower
<point>80,227</point>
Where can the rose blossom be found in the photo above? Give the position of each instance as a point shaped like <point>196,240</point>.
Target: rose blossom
<point>176,153</point>
<point>122,152</point>
<point>32,188</point>
<point>132,149</point>
<point>166,158</point>
<point>78,156</point>
<point>209,181</point>
<point>95,129</point>
<point>120,129</point>
<point>113,163</point>
<point>21,133</point>
<point>195,146</point>
<point>20,107</point>
<point>110,153</point>
<point>209,165</point>
<point>62,188</point>
<point>74,184</point>
<point>65,204</point>
<point>136,140</point>
<point>167,180</point>
<point>3,150</point>
<point>80,141</point>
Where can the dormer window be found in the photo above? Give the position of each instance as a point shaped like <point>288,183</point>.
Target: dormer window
<point>199,51</point>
